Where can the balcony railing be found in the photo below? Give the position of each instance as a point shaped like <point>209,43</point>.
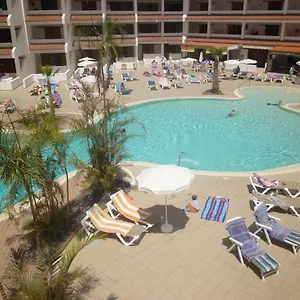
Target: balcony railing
<point>3,12</point>
<point>86,12</point>
<point>264,12</point>
<point>196,12</point>
<point>198,34</point>
<point>6,45</point>
<point>44,12</point>
<point>225,35</point>
<point>150,34</point>
<point>261,37</point>
<point>120,12</point>
<point>226,12</point>
<point>291,38</point>
<point>47,41</point>
<point>172,33</point>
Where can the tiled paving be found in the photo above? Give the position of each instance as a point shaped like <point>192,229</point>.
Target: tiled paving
<point>192,262</point>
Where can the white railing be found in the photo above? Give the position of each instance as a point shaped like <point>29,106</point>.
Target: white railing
<point>261,37</point>
<point>6,45</point>
<point>291,38</point>
<point>47,41</point>
<point>264,12</point>
<point>118,12</point>
<point>10,85</point>
<point>86,12</point>
<point>44,12</point>
<point>226,12</point>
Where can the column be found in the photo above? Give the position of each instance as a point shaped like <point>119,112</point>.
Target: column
<point>285,6</point>
<point>209,6</point>
<point>245,7</point>
<point>282,33</point>
<point>103,9</point>
<point>186,6</point>
<point>162,49</point>
<point>208,29</point>
<point>162,7</point>
<point>243,30</point>
<point>135,8</point>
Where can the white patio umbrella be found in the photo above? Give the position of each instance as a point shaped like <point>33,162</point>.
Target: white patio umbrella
<point>87,63</point>
<point>188,59</point>
<point>298,63</point>
<point>89,79</point>
<point>201,56</point>
<point>164,180</point>
<point>248,61</point>
<point>87,59</point>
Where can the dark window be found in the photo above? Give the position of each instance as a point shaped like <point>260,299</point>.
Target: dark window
<point>148,7</point>
<point>275,5</point>
<point>3,4</point>
<point>148,28</point>
<point>5,36</point>
<point>237,5</point>
<point>52,32</point>
<point>203,6</point>
<point>173,5</point>
<point>88,5</point>
<point>121,6</point>
<point>234,29</point>
<point>129,28</point>
<point>53,59</point>
<point>173,27</point>
<point>202,28</point>
<point>272,30</point>
<point>49,5</point>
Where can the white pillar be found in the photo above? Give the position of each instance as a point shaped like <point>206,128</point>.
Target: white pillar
<point>103,9</point>
<point>186,6</point>
<point>245,7</point>
<point>282,33</point>
<point>162,49</point>
<point>209,6</point>
<point>285,6</point>
<point>208,29</point>
<point>162,7</point>
<point>243,30</point>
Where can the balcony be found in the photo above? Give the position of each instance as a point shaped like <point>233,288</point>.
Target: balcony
<point>149,29</point>
<point>198,7</point>
<point>262,32</point>
<point>120,7</point>
<point>265,7</point>
<point>293,7</point>
<point>46,35</point>
<point>86,7</point>
<point>292,32</point>
<point>149,7</point>
<point>5,38</point>
<point>172,28</point>
<point>227,8</point>
<point>43,7</point>
<point>173,7</point>
<point>198,29</point>
<point>225,30</point>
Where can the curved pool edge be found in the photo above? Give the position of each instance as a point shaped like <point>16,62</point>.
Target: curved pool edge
<point>276,171</point>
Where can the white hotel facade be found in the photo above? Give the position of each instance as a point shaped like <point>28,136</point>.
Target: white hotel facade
<point>35,32</point>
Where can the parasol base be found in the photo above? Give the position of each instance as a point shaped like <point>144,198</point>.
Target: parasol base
<point>166,228</point>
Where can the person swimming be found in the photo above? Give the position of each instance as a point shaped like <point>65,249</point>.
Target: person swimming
<point>232,113</point>
<point>275,104</point>
<point>123,131</point>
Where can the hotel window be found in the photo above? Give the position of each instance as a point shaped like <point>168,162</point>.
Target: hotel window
<point>234,29</point>
<point>148,7</point>
<point>202,28</point>
<point>237,5</point>
<point>88,5</point>
<point>272,30</point>
<point>275,5</point>
<point>203,6</point>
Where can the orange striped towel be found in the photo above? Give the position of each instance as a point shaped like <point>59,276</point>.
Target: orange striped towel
<point>107,224</point>
<point>128,208</point>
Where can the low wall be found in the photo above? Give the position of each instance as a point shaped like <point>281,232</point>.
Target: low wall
<point>121,65</point>
<point>10,85</point>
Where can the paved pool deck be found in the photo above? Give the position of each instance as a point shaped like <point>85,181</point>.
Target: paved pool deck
<point>193,261</point>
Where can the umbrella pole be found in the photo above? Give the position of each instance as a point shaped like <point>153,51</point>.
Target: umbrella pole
<point>166,210</point>
<point>166,227</point>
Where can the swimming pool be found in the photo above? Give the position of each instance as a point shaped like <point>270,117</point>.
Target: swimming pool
<point>259,137</point>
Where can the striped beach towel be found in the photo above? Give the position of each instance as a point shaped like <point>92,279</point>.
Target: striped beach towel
<point>215,209</point>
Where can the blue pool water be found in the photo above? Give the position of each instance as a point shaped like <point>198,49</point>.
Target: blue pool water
<point>260,137</point>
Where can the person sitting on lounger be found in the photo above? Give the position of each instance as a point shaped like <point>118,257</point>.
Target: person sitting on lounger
<point>275,104</point>
<point>232,113</point>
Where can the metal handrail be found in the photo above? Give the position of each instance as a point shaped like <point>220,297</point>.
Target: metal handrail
<point>248,80</point>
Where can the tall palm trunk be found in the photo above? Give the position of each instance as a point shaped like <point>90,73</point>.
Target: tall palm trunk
<point>52,107</point>
<point>215,84</point>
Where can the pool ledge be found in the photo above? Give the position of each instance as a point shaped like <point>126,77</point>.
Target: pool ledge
<point>289,107</point>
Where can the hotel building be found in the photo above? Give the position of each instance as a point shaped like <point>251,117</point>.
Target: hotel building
<point>39,32</point>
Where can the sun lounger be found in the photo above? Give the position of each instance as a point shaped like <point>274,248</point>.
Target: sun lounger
<point>152,85</point>
<point>265,185</point>
<point>272,229</point>
<point>177,84</point>
<point>246,244</point>
<point>97,220</point>
<point>121,203</point>
<point>126,77</point>
<point>284,202</point>
<point>192,79</point>
<point>242,75</point>
<point>120,88</point>
<point>202,79</point>
<point>259,77</point>
<point>269,77</point>
<point>164,83</point>
<point>279,78</point>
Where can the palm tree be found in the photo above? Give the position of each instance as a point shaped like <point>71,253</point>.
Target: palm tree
<point>216,52</point>
<point>47,70</point>
<point>51,276</point>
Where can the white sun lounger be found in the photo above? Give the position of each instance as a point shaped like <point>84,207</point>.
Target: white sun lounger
<point>97,220</point>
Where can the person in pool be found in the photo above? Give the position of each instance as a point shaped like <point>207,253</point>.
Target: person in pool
<point>232,113</point>
<point>275,104</point>
<point>123,131</point>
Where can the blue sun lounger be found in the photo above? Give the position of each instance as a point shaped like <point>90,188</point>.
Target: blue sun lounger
<point>151,85</point>
<point>122,91</point>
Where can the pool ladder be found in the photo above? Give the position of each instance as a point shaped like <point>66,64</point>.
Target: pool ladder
<point>248,80</point>
<point>179,157</point>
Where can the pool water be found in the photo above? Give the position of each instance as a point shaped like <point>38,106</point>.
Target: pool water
<point>259,137</point>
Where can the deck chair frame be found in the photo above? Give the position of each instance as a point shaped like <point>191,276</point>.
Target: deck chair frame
<point>115,213</point>
<point>257,185</point>
<point>265,230</point>
<point>91,230</point>
<point>238,245</point>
